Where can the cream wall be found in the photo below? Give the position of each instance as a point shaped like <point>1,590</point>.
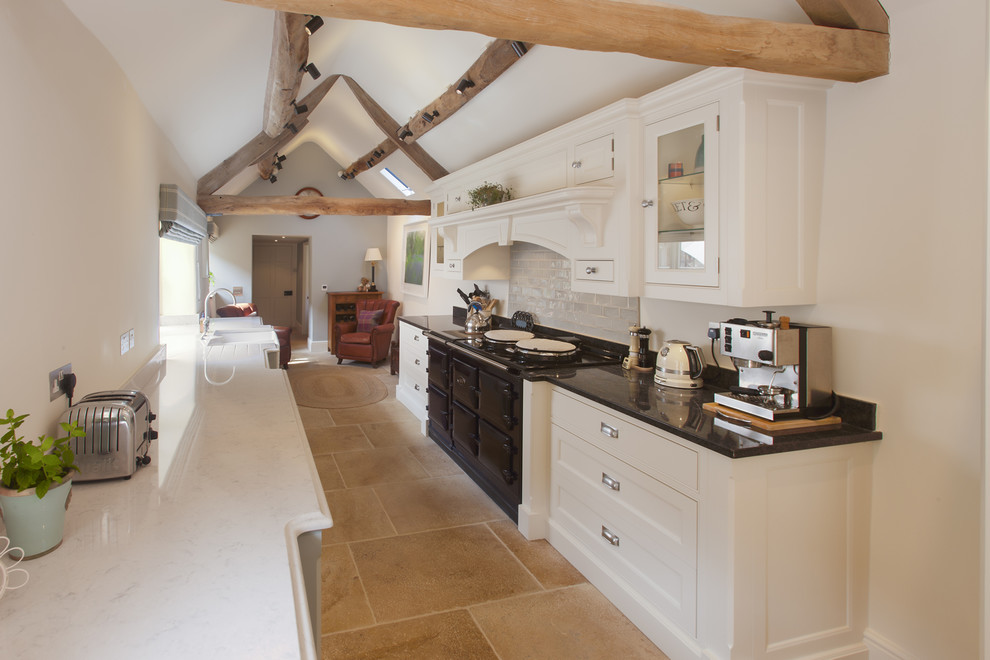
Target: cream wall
<point>79,182</point>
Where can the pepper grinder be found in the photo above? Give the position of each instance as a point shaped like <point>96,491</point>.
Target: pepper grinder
<point>634,347</point>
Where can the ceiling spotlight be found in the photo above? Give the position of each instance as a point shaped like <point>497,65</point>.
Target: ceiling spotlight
<point>519,48</point>
<point>273,178</point>
<point>314,72</point>
<point>379,154</point>
<point>429,117</point>
<point>299,108</point>
<point>279,158</point>
<point>371,163</point>
<point>466,83</point>
<point>342,174</point>
<point>314,24</point>
<point>291,127</point>
<point>404,132</point>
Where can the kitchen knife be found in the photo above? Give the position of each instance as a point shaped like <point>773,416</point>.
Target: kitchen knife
<point>464,297</point>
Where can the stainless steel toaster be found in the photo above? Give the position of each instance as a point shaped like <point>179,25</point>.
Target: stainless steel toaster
<point>118,434</point>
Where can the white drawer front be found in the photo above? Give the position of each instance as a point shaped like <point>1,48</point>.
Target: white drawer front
<point>594,270</point>
<point>666,516</point>
<point>669,584</point>
<point>412,342</point>
<point>648,450</point>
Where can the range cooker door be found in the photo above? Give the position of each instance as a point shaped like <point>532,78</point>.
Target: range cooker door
<point>465,383</point>
<point>499,454</point>
<point>438,364</point>
<point>439,409</point>
<point>500,401</point>
<point>465,430</point>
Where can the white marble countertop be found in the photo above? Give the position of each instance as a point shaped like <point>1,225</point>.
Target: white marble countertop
<point>195,555</point>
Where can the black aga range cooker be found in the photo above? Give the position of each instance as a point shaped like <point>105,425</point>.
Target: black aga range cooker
<point>476,397</point>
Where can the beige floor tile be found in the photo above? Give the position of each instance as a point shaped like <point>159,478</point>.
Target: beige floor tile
<point>542,559</point>
<point>377,466</point>
<point>357,515</point>
<point>330,439</point>
<point>330,477</point>
<point>435,460</point>
<point>391,434</point>
<point>344,603</point>
<point>448,635</point>
<point>416,506</point>
<point>388,410</point>
<point>314,417</point>
<point>577,623</point>
<point>406,576</point>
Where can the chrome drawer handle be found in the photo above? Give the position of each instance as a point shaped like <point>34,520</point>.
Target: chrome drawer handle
<point>416,387</point>
<point>609,536</point>
<point>590,270</point>
<point>576,164</point>
<point>610,482</point>
<point>647,203</point>
<point>610,431</point>
<point>417,361</point>
<point>415,337</point>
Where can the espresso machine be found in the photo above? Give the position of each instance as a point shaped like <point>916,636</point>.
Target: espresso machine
<point>785,369</point>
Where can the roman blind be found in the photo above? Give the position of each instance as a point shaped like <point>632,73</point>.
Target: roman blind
<point>179,219</point>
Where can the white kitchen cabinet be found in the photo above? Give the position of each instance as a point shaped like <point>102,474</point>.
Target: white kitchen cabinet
<point>754,185</point>
<point>764,557</point>
<point>594,160</point>
<point>411,390</point>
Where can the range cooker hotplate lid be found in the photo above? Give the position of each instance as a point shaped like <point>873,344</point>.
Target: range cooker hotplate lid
<point>543,347</point>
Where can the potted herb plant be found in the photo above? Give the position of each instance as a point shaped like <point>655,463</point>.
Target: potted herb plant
<point>35,481</point>
<point>488,193</point>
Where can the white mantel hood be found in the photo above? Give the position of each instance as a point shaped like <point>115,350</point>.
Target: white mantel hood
<point>561,220</point>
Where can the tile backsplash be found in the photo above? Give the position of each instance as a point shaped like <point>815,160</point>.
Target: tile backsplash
<point>540,283</point>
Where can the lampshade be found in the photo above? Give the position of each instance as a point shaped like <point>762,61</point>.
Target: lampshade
<point>373,254</point>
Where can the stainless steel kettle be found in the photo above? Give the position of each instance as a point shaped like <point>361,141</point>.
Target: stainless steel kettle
<point>477,321</point>
<point>679,364</point>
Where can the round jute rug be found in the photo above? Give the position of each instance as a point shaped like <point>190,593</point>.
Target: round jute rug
<point>335,387</point>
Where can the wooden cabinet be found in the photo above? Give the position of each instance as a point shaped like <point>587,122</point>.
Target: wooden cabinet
<point>412,389</point>
<point>342,306</point>
<point>763,557</point>
<point>732,168</point>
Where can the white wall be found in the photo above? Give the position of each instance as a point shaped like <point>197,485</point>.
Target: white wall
<point>79,183</point>
<point>902,246</point>
<point>338,243</point>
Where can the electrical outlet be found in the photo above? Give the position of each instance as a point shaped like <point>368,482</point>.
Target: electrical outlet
<point>238,291</point>
<point>130,339</point>
<point>125,343</point>
<point>324,287</point>
<point>55,378</point>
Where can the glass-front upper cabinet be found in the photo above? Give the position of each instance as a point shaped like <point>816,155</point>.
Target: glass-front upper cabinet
<point>681,198</point>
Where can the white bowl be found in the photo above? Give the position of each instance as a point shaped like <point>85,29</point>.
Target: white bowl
<point>690,211</point>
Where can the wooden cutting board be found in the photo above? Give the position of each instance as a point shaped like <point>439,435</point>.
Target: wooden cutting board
<point>766,424</point>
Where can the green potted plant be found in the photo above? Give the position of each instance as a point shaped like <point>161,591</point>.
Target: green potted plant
<point>35,481</point>
<point>488,193</point>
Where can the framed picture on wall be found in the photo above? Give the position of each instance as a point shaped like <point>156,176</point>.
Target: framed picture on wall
<point>416,259</point>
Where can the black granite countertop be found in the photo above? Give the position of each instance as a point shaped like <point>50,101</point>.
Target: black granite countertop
<point>680,412</point>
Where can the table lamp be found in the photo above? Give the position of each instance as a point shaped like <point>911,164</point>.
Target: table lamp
<point>373,255</point>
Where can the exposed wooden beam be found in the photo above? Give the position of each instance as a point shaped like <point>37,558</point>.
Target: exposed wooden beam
<point>240,205</point>
<point>493,62</point>
<point>290,51</point>
<point>657,31</point>
<point>262,146</point>
<point>390,127</point>
<point>849,14</point>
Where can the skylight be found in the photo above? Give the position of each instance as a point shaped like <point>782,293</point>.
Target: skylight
<point>397,182</point>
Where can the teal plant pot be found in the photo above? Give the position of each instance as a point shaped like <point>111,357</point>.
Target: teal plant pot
<point>36,526</point>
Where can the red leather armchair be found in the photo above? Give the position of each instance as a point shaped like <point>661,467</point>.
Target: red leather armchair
<point>366,344</point>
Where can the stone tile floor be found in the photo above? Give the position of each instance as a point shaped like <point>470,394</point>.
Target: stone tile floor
<point>421,564</point>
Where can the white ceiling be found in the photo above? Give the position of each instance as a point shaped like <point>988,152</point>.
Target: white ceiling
<point>201,66</point>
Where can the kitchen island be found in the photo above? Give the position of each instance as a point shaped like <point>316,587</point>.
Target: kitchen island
<point>211,551</point>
